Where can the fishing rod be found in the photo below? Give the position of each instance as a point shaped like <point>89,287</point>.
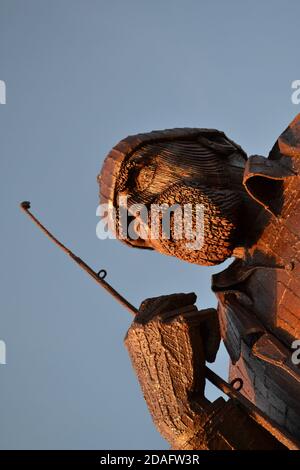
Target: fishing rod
<point>99,277</point>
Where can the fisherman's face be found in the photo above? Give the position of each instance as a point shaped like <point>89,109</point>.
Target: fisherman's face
<point>164,183</point>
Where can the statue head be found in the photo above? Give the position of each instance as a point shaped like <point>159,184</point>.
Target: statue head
<point>192,178</point>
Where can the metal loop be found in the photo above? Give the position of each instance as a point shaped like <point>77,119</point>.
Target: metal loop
<point>238,381</point>
<point>102,274</point>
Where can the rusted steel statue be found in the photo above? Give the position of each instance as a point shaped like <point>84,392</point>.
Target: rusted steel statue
<point>251,211</point>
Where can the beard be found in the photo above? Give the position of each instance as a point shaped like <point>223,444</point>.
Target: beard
<point>203,231</point>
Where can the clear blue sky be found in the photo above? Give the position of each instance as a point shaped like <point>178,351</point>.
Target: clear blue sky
<point>80,76</point>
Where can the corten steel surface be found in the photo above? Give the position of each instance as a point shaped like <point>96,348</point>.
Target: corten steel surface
<point>252,213</point>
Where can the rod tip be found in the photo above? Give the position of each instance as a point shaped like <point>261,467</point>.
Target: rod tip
<point>25,205</point>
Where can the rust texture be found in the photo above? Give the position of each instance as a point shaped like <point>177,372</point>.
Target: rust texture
<point>252,212</point>
<point>168,354</point>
